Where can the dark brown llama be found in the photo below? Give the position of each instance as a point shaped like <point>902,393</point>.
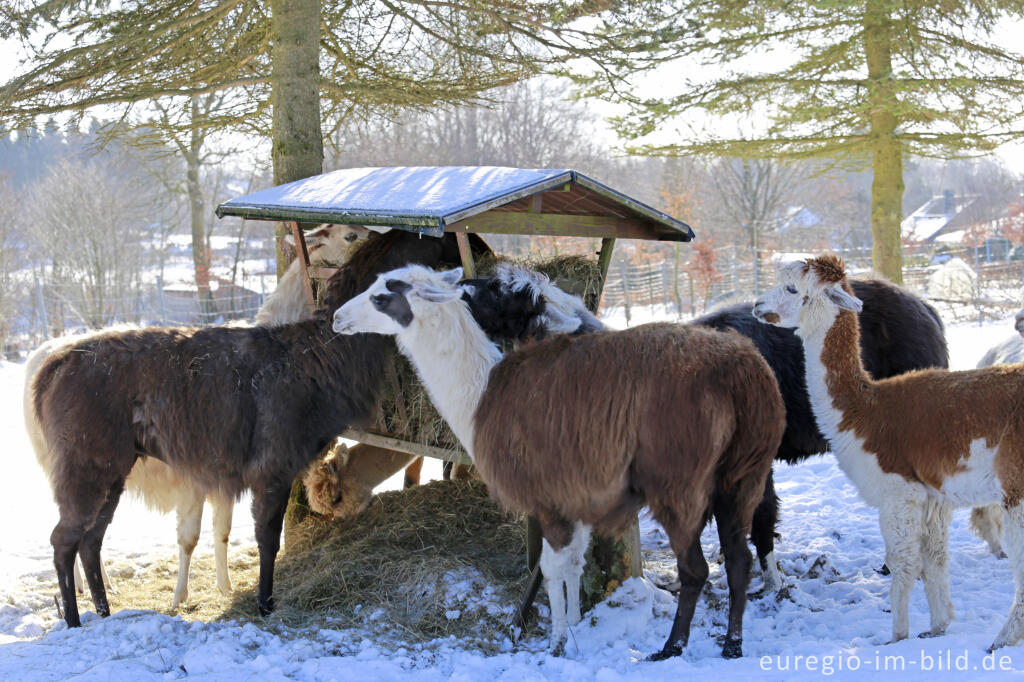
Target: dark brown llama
<point>233,409</point>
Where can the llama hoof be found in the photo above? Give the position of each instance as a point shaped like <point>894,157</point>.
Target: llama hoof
<point>761,593</point>
<point>733,648</point>
<point>672,587</point>
<point>557,648</point>
<point>224,590</point>
<point>884,570</point>
<point>934,632</point>
<point>670,651</point>
<point>266,607</point>
<point>1000,554</point>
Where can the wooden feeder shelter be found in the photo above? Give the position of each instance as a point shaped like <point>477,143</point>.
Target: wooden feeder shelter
<point>460,199</point>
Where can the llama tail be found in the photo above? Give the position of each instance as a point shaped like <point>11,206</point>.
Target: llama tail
<point>760,422</point>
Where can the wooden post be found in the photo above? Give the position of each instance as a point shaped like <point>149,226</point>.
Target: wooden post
<point>302,254</point>
<point>466,254</point>
<point>609,561</point>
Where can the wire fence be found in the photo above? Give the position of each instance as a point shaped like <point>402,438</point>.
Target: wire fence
<point>963,284</point>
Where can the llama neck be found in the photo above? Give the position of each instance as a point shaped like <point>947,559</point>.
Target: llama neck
<point>453,358</point>
<point>288,302</point>
<point>836,380</point>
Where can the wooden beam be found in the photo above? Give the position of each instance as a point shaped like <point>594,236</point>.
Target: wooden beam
<point>418,449</point>
<point>302,254</point>
<point>554,224</point>
<point>466,254</point>
<point>604,261</point>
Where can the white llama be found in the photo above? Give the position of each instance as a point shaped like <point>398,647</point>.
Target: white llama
<point>915,445</point>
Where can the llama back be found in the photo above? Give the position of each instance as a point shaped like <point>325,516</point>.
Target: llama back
<point>598,414</point>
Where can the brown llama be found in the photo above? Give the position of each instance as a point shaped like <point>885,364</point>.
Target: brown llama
<point>341,484</point>
<point>159,486</point>
<point>229,408</point>
<point>915,446</point>
<point>581,432</point>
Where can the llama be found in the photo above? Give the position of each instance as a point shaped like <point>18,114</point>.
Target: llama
<point>581,432</point>
<point>987,522</point>
<point>158,485</point>
<point>341,484</point>
<point>915,446</point>
<point>899,333</point>
<point>229,408</point>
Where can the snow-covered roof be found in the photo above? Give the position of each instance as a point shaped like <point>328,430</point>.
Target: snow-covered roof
<point>431,199</point>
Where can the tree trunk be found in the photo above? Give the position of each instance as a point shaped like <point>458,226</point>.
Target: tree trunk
<point>297,138</point>
<point>200,247</point>
<point>886,148</point>
<point>297,150</point>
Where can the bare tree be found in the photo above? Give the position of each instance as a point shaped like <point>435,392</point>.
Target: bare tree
<point>88,223</point>
<point>752,193</point>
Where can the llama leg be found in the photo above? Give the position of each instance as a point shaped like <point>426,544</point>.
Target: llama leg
<point>901,522</point>
<point>576,549</point>
<point>935,555</point>
<point>732,533</point>
<point>268,506</point>
<point>65,538</point>
<point>106,578</point>
<point>412,473</point>
<point>92,542</point>
<point>987,524</point>
<point>79,580</point>
<point>190,520</point>
<point>555,562</point>
<point>223,508</point>
<point>1013,534</point>
<point>552,566</point>
<point>693,573</point>
<point>762,533</point>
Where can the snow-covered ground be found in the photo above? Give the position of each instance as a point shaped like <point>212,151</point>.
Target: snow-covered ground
<point>832,620</point>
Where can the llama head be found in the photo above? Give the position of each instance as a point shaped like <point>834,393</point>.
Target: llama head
<point>816,287</point>
<point>396,299</point>
<point>520,304</point>
<point>329,490</point>
<point>1018,322</point>
<point>332,244</point>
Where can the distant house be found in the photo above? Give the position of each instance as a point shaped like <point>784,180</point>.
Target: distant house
<point>942,214</point>
<point>797,217</point>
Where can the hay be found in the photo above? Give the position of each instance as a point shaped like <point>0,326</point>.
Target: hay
<point>435,560</point>
<point>406,412</point>
<point>147,583</point>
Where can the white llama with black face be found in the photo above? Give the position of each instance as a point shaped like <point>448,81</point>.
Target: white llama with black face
<point>915,445</point>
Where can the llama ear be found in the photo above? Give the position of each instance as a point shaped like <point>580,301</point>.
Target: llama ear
<point>844,300</point>
<point>435,295</point>
<point>451,277</point>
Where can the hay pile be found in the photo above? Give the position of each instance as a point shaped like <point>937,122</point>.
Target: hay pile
<point>405,410</point>
<point>435,560</point>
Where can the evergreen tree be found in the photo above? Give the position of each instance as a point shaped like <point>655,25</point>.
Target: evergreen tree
<point>860,82</point>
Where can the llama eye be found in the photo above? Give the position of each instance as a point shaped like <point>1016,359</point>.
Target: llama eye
<point>336,501</point>
<point>380,301</point>
<point>790,289</point>
<point>351,237</point>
